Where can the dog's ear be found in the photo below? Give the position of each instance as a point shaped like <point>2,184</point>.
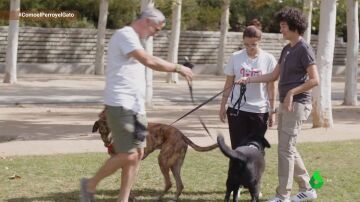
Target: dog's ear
<point>220,137</point>
<point>265,142</point>
<point>95,126</point>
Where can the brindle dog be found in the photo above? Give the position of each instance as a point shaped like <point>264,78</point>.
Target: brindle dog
<point>172,143</point>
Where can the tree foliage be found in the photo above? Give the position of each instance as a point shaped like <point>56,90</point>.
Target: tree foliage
<point>242,12</point>
<point>196,14</point>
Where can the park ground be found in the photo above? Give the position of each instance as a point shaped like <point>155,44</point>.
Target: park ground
<point>45,130</point>
<point>49,114</point>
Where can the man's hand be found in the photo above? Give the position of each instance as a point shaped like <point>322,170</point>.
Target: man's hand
<point>185,72</point>
<point>222,113</point>
<point>271,119</point>
<point>288,101</point>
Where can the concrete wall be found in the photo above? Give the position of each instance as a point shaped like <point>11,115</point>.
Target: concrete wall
<point>58,50</point>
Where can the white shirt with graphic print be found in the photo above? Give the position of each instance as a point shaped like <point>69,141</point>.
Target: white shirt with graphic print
<point>240,65</point>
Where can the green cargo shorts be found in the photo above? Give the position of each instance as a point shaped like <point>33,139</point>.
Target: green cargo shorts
<point>121,121</point>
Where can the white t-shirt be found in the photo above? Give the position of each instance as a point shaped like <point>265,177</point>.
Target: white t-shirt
<point>240,65</point>
<point>125,76</point>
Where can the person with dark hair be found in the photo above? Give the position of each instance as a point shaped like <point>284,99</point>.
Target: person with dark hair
<point>298,75</point>
<point>251,115</point>
<point>256,23</point>
<point>124,100</point>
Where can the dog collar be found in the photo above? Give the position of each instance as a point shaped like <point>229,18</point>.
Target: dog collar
<point>253,146</point>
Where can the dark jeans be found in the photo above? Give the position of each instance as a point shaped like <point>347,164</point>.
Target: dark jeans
<point>245,124</point>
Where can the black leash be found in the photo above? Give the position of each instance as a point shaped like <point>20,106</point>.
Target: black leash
<point>242,94</point>
<point>238,101</point>
<point>200,105</point>
<point>190,65</point>
<point>192,100</point>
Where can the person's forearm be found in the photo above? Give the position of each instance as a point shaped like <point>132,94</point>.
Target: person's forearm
<point>270,77</point>
<point>272,95</point>
<point>159,64</point>
<point>154,62</point>
<point>308,85</point>
<point>225,97</point>
<point>227,90</point>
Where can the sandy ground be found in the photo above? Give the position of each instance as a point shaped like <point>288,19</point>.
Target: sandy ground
<point>49,114</point>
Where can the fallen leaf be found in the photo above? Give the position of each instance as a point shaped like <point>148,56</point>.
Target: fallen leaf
<point>14,177</point>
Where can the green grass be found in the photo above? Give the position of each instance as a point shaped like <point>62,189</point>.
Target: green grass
<point>56,177</point>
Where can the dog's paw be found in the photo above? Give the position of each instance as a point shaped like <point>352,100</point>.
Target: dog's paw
<point>260,195</point>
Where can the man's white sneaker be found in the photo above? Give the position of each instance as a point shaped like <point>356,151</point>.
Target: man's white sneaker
<point>277,199</point>
<point>305,196</point>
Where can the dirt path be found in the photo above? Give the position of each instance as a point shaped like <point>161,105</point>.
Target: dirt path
<point>47,114</point>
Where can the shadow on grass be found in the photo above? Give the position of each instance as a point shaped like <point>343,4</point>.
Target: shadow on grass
<point>111,195</point>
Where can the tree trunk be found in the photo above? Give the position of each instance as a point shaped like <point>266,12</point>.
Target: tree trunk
<point>148,45</point>
<point>175,38</point>
<point>322,112</point>
<point>100,43</point>
<point>224,30</point>
<point>13,36</point>
<point>308,6</point>
<point>352,49</point>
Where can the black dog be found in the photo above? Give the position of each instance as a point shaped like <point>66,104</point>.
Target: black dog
<point>246,166</point>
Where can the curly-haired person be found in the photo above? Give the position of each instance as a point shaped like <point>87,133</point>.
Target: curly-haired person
<point>298,75</point>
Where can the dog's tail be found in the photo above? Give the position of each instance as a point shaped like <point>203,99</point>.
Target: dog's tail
<point>197,147</point>
<point>227,151</point>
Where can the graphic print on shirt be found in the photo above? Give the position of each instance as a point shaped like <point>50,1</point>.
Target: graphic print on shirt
<point>249,70</point>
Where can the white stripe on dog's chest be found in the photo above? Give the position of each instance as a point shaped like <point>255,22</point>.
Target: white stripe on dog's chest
<point>253,146</point>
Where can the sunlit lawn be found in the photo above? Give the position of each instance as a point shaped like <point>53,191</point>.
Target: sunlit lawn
<point>56,177</point>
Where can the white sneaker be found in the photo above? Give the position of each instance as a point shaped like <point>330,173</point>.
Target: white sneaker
<point>305,196</point>
<point>277,199</point>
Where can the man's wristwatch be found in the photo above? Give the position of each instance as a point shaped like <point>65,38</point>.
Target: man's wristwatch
<point>177,68</point>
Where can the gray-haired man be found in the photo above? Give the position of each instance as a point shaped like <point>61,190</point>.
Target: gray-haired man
<point>124,100</point>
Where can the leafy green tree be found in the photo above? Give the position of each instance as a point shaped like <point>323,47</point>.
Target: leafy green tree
<point>190,11</point>
<point>196,14</point>
<point>122,12</point>
<point>242,12</point>
<point>340,18</point>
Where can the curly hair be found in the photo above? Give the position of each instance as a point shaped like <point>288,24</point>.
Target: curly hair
<point>295,19</point>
